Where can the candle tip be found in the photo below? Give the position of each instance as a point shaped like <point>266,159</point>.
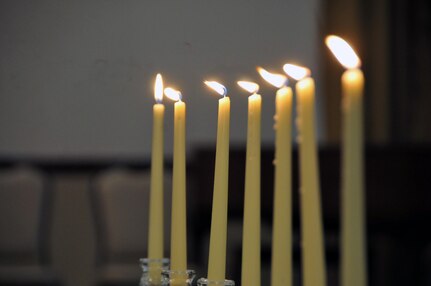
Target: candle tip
<point>296,72</point>
<point>343,52</point>
<point>173,94</point>
<point>158,88</point>
<point>277,80</point>
<point>217,87</point>
<point>249,86</point>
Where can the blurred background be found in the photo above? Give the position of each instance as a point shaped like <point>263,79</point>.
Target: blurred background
<point>76,96</point>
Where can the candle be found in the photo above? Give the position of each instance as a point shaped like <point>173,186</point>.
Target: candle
<point>155,228</point>
<point>217,252</point>
<point>353,242</point>
<point>250,272</point>
<point>313,260</point>
<point>178,220</point>
<point>281,264</point>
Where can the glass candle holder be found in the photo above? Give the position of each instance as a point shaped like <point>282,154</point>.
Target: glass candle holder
<point>207,282</point>
<point>178,278</point>
<point>152,271</point>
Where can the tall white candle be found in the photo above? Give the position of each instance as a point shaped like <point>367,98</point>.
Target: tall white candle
<point>353,241</point>
<point>155,228</point>
<point>217,252</point>
<point>281,263</point>
<point>250,270</point>
<point>313,255</point>
<point>178,220</point>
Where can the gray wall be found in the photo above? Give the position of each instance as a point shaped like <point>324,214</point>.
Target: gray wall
<point>76,77</point>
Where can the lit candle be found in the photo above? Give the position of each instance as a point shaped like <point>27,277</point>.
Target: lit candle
<point>281,268</point>
<point>250,272</point>
<point>155,229</point>
<point>217,252</point>
<point>353,242</point>
<point>178,220</point>
<point>313,260</point>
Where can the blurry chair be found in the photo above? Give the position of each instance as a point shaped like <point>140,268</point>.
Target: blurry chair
<point>121,199</point>
<point>24,228</point>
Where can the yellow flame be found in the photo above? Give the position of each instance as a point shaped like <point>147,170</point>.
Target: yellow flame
<point>249,86</point>
<point>296,72</point>
<point>343,52</point>
<point>173,94</point>
<point>219,88</point>
<point>277,80</point>
<point>158,88</point>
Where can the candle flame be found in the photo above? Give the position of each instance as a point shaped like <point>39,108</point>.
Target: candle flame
<point>158,88</point>
<point>277,80</point>
<point>173,94</point>
<point>249,86</point>
<point>296,72</point>
<point>219,88</point>
<point>343,52</point>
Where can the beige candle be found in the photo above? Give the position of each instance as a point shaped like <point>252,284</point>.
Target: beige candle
<point>217,251</point>
<point>281,264</point>
<point>155,229</point>
<point>313,259</point>
<point>250,271</point>
<point>178,220</point>
<point>353,242</point>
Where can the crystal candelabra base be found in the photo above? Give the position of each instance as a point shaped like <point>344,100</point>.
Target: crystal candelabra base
<point>178,277</point>
<point>207,282</point>
<point>152,271</point>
